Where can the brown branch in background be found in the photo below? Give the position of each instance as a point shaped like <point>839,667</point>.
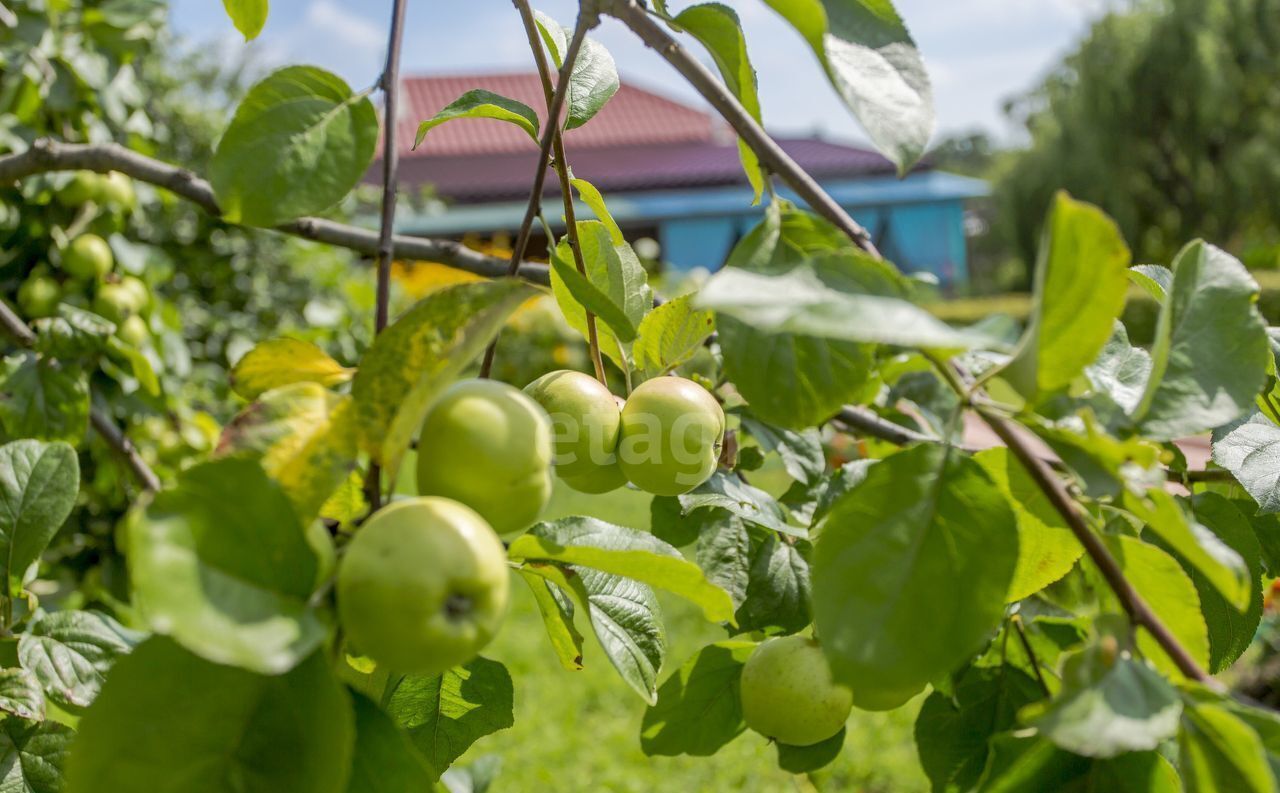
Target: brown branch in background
<point>46,155</point>
<point>103,423</point>
<point>552,140</point>
<point>390,84</point>
<point>651,32</point>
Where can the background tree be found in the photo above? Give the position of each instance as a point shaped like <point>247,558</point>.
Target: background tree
<point>1168,117</point>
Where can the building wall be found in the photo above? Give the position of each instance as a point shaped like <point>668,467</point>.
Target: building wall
<point>918,237</point>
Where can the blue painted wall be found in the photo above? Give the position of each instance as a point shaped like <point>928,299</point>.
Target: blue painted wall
<point>917,222</point>
<point>923,237</point>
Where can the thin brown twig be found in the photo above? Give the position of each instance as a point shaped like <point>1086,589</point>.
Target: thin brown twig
<point>1016,621</point>
<point>102,423</point>
<point>651,32</point>
<point>390,84</point>
<point>551,150</point>
<point>46,155</point>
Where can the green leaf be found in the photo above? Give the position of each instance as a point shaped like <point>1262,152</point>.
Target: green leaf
<point>43,399</point>
<point>385,759</point>
<point>20,695</point>
<point>627,621</point>
<point>806,379</point>
<point>221,564</point>
<point>1080,285</point>
<point>1168,590</point>
<point>874,66</point>
<point>723,552</point>
<point>800,451</point>
<point>70,653</point>
<point>1107,710</point>
<point>167,718</point>
<point>716,27</point>
<point>299,142</point>
<point>1198,547</point>
<point>1104,464</point>
<point>1250,450</point>
<point>699,707</point>
<point>479,103</point>
<point>800,302</point>
<point>304,436</point>
<point>419,355</point>
<point>1209,358</point>
<point>1219,752</point>
<point>670,334</point>
<point>445,714</point>
<point>248,16</point>
<point>1047,549</point>
<point>594,78</point>
<point>557,617</point>
<point>1031,764</point>
<point>591,196</point>
<point>952,732</point>
<point>778,587</point>
<point>625,617</point>
<point>138,364</point>
<point>588,542</point>
<point>33,755</point>
<point>284,361</point>
<point>920,555</point>
<point>73,333</point>
<point>38,487</point>
<point>615,288</point>
<point>1230,630</point>
<point>1120,371</point>
<point>752,504</point>
<point>1155,279</point>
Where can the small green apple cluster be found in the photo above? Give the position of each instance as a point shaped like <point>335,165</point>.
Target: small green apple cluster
<point>83,272</point>
<point>423,585</point>
<point>665,438</point>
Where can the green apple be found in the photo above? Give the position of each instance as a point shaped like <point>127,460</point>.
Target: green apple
<point>788,694</point>
<point>881,699</point>
<point>134,331</point>
<point>83,187</point>
<point>423,585</point>
<point>488,445</point>
<point>585,424</point>
<point>38,296</point>
<point>88,256</point>
<point>115,302</point>
<point>138,288</point>
<point>116,190</point>
<point>672,429</point>
<point>602,480</point>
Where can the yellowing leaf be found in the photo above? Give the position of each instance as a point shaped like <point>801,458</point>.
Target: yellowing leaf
<point>284,361</point>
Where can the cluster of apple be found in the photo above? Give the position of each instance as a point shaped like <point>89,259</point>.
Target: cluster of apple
<point>81,272</point>
<point>423,584</point>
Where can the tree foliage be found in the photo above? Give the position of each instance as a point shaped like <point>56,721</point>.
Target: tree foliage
<point>1167,117</point>
<point>1064,601</point>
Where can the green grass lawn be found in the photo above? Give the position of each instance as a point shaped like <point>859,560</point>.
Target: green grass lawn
<point>579,731</point>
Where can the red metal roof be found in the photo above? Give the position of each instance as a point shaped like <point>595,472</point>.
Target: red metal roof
<point>638,141</point>
<point>506,177</point>
<point>633,117</point>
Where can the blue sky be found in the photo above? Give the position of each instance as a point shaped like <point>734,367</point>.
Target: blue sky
<point>978,51</point>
